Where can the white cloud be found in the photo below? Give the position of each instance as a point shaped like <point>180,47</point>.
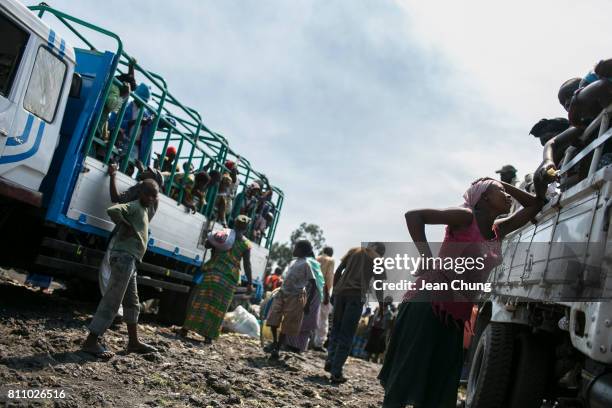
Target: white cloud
<point>515,53</point>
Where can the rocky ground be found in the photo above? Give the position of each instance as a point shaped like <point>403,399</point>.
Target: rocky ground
<point>40,336</point>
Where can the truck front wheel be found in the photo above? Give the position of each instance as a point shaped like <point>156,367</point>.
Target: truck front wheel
<point>491,367</point>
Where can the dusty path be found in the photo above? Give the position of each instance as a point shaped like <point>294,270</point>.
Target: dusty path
<point>40,337</point>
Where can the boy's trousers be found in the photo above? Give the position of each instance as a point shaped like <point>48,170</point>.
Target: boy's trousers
<point>121,289</point>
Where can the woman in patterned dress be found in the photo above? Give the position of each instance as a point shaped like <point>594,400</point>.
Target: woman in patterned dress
<point>212,297</point>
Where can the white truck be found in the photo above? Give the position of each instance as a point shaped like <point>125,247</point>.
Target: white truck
<point>544,335</point>
<point>54,157</point>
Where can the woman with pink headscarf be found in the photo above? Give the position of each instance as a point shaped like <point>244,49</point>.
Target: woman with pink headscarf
<point>424,358</point>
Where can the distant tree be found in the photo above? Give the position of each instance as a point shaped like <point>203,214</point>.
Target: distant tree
<point>311,232</point>
<point>282,253</point>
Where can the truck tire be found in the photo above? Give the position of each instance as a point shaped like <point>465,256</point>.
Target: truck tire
<point>491,367</point>
<point>481,324</point>
<point>531,374</point>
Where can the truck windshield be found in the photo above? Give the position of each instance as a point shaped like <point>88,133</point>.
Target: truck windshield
<point>45,85</point>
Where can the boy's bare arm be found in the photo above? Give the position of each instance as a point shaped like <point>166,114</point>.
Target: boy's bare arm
<point>114,193</point>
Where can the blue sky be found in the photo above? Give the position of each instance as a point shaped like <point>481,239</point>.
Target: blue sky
<point>358,109</point>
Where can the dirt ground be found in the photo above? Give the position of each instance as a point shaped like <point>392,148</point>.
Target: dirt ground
<point>40,336</point>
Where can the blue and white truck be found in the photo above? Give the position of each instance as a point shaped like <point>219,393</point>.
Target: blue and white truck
<point>54,187</point>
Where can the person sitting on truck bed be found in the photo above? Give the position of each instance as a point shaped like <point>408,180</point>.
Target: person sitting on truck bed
<point>185,179</point>
<point>583,99</point>
<point>227,192</point>
<point>195,197</point>
<point>263,219</point>
<point>224,197</point>
<point>117,95</point>
<point>546,129</point>
<point>422,365</point>
<point>556,148</point>
<point>232,166</point>
<point>143,136</point>
<point>593,94</point>
<point>165,164</point>
<point>129,246</point>
<point>246,200</point>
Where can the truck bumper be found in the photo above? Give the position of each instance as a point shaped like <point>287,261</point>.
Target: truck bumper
<point>16,192</point>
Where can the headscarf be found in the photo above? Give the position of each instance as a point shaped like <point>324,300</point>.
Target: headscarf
<point>476,190</point>
<point>315,267</point>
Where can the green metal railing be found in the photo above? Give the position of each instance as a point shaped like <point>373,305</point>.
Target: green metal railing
<point>183,128</point>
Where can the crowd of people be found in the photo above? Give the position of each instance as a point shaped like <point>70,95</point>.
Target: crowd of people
<point>421,342</point>
<point>300,303</point>
<point>373,332</point>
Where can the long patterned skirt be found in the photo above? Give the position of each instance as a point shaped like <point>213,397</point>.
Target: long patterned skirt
<point>210,301</point>
<point>309,324</point>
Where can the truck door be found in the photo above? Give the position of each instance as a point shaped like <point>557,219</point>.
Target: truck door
<point>12,47</point>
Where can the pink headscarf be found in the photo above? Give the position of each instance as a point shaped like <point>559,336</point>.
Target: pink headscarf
<point>476,190</point>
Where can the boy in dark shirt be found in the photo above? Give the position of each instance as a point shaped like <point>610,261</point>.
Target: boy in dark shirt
<point>351,283</point>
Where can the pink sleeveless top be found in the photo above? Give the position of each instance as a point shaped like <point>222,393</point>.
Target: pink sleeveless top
<point>465,242</point>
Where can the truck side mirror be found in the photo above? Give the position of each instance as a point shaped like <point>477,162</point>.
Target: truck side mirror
<point>75,86</point>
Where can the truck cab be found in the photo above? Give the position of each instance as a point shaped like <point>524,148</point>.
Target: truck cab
<point>36,69</point>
